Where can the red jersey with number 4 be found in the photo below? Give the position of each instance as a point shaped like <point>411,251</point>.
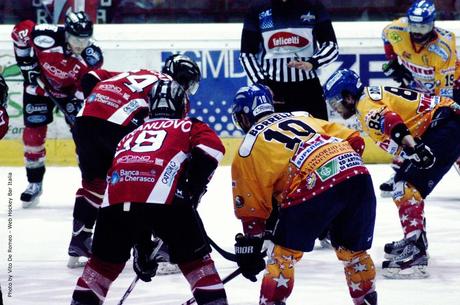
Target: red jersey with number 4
<point>150,160</point>
<point>118,98</point>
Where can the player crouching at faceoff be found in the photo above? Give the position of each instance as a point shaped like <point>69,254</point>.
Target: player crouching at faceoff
<point>116,104</point>
<point>171,159</point>
<point>4,118</point>
<point>309,166</point>
<point>423,130</point>
<point>52,59</point>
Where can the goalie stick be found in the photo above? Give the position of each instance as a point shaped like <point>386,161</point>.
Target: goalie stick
<point>227,279</point>
<point>136,279</point>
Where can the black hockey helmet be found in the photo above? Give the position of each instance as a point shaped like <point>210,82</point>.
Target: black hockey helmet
<point>78,24</point>
<point>184,71</point>
<point>3,91</point>
<point>167,99</point>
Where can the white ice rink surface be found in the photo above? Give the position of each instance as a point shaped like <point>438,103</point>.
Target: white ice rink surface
<point>40,238</point>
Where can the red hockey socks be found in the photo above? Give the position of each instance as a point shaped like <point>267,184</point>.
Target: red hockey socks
<point>94,283</point>
<point>205,283</point>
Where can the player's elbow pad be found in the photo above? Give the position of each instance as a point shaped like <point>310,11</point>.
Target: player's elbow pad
<point>398,132</point>
<point>357,143</point>
<point>88,82</point>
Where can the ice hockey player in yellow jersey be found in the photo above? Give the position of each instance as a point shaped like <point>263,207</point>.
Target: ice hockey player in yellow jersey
<point>309,165</point>
<point>421,56</point>
<point>423,130</point>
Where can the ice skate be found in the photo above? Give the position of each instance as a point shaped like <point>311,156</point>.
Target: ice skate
<point>164,266</point>
<point>411,263</point>
<point>395,248</point>
<point>80,246</point>
<point>386,188</point>
<point>31,196</point>
<point>457,165</point>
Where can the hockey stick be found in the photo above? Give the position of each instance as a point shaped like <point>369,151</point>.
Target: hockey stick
<point>136,279</point>
<point>56,102</point>
<point>227,255</point>
<point>227,279</point>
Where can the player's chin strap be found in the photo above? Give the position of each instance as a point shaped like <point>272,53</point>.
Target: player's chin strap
<point>136,279</point>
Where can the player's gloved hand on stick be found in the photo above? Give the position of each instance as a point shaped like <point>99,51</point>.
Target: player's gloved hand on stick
<point>420,155</point>
<point>144,266</point>
<point>397,72</point>
<point>249,255</point>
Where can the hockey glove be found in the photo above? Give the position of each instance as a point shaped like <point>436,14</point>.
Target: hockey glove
<point>72,108</point>
<point>420,155</point>
<point>249,255</point>
<point>92,55</point>
<point>397,72</point>
<point>144,266</point>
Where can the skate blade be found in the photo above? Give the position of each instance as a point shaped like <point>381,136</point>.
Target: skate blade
<point>386,194</point>
<point>415,272</point>
<point>389,256</point>
<point>30,204</point>
<point>167,268</point>
<point>74,262</point>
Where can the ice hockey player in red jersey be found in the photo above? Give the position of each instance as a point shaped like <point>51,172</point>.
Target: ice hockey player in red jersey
<point>4,118</point>
<point>52,59</point>
<point>115,105</point>
<point>158,175</point>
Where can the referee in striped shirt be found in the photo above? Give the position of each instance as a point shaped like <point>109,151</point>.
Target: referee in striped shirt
<point>283,43</point>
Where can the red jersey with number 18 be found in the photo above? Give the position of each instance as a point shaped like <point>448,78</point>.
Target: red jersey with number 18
<point>118,98</point>
<point>150,160</point>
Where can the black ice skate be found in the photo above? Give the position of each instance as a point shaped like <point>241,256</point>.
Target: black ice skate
<point>395,248</point>
<point>411,263</point>
<point>30,197</point>
<point>164,266</point>
<point>386,188</point>
<point>80,245</point>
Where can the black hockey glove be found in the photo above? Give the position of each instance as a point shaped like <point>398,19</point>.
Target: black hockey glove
<point>92,55</point>
<point>144,266</point>
<point>249,255</point>
<point>397,72</point>
<point>72,108</point>
<point>420,155</point>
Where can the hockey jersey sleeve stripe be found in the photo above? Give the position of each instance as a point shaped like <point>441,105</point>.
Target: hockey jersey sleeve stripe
<point>214,153</point>
<point>123,113</point>
<point>162,188</point>
<point>251,66</point>
<point>327,53</point>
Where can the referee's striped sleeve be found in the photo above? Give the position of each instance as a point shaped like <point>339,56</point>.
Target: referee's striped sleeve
<point>327,53</point>
<point>251,66</point>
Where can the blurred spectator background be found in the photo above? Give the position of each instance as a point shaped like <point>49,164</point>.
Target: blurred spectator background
<point>199,11</point>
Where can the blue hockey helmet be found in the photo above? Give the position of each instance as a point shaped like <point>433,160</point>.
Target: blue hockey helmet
<point>420,17</point>
<point>342,82</point>
<point>250,104</point>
